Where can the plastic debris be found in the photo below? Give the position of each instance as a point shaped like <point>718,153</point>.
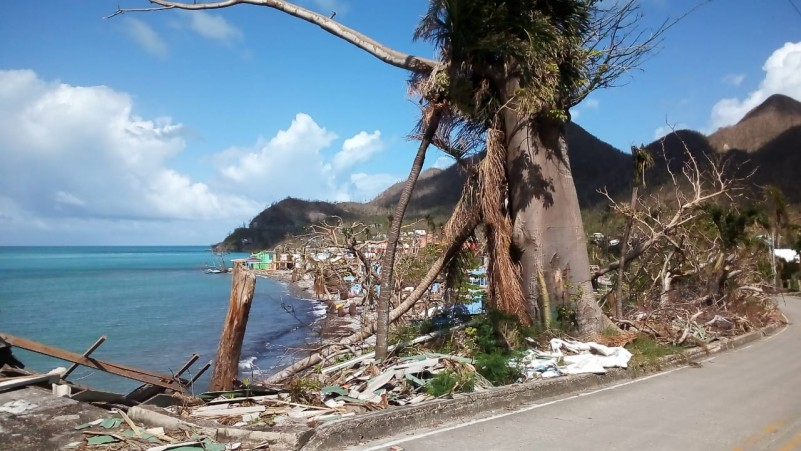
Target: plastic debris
<point>589,357</point>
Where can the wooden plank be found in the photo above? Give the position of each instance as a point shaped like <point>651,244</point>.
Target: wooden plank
<point>228,412</point>
<point>200,372</point>
<point>147,391</point>
<point>29,380</point>
<point>192,359</point>
<point>85,354</point>
<point>150,377</point>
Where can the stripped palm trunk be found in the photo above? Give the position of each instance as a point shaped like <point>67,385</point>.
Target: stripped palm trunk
<point>432,120</point>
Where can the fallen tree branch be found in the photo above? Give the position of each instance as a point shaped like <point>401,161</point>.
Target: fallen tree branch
<point>360,40</point>
<point>464,220</point>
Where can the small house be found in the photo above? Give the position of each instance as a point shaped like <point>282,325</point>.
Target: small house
<point>261,260</point>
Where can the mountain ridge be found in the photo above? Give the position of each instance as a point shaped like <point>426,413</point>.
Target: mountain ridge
<point>776,159</point>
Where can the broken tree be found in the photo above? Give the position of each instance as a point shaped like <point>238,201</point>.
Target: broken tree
<point>226,367</point>
<point>517,74</point>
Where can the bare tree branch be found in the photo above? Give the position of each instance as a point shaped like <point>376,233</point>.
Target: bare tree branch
<point>371,46</point>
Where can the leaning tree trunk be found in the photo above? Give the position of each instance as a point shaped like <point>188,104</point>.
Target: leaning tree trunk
<point>548,235</point>
<point>388,261</point>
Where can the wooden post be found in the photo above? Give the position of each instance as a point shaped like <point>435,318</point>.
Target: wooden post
<point>226,366</point>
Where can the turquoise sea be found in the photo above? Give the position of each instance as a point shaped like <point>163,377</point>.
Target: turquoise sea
<point>155,305</point>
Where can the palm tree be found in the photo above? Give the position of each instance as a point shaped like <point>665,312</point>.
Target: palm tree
<point>513,70</point>
<point>509,71</point>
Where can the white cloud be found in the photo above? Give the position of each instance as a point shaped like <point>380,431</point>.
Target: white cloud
<point>213,27</point>
<point>80,167</point>
<point>146,37</point>
<point>79,155</point>
<point>358,149</point>
<point>289,163</point>
<point>782,76</point>
<point>586,105</point>
<point>591,104</point>
<point>68,199</point>
<point>443,162</point>
<point>734,79</point>
<point>367,186</point>
<point>293,163</point>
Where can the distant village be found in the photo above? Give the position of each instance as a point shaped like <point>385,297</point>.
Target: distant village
<point>336,275</point>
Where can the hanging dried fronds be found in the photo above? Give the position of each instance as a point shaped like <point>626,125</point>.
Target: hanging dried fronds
<point>505,293</point>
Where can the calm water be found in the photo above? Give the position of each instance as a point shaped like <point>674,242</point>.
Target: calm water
<point>155,305</point>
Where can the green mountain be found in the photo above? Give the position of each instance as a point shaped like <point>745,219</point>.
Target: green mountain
<point>595,164</point>
<point>767,141</point>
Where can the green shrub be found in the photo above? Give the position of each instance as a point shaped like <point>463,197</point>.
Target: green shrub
<point>448,382</point>
<point>495,367</point>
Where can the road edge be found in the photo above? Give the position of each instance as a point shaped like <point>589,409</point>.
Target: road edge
<point>385,423</point>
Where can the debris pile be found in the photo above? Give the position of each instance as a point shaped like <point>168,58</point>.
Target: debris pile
<point>363,384</point>
<point>357,386</point>
<point>121,432</point>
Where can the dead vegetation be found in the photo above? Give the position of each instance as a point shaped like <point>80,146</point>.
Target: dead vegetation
<point>694,272</point>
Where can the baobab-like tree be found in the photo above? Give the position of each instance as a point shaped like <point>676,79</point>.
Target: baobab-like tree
<point>506,76</point>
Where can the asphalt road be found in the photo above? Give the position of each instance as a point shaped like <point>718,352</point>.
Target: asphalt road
<point>745,399</point>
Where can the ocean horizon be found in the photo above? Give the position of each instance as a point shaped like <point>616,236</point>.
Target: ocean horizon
<point>155,304</point>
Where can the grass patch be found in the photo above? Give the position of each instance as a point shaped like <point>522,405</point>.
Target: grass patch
<point>647,354</point>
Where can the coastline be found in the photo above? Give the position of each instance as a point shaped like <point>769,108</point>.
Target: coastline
<point>329,327</point>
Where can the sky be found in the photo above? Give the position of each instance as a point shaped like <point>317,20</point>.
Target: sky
<point>175,127</point>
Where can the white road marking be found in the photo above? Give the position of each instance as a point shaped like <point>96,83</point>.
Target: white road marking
<point>556,401</point>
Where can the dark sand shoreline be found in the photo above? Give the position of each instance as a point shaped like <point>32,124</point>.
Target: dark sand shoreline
<point>331,326</point>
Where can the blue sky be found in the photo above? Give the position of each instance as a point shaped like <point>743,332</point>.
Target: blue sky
<point>176,127</point>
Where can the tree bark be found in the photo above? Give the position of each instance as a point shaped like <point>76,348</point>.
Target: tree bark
<point>226,367</point>
<point>548,234</point>
<point>624,247</point>
<point>388,261</point>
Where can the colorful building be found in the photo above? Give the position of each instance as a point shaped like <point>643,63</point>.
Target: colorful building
<point>261,260</point>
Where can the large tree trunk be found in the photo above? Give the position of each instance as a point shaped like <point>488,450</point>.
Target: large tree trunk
<point>548,235</point>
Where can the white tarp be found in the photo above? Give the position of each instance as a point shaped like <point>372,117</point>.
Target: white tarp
<point>589,357</point>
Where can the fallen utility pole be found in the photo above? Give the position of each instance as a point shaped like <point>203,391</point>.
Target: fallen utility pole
<point>226,366</point>
<point>150,377</point>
